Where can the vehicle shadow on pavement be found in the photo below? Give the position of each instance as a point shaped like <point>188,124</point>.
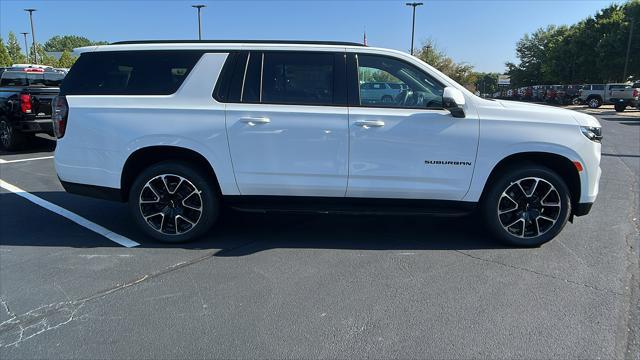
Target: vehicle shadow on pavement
<point>352,232</point>
<point>239,233</point>
<point>37,144</point>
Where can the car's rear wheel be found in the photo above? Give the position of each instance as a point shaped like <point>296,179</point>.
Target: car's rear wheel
<point>620,107</point>
<point>594,102</point>
<point>10,138</point>
<point>527,206</point>
<point>173,202</point>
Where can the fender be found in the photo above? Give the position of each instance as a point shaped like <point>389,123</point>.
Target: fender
<point>488,161</point>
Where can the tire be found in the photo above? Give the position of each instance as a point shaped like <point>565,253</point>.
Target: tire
<point>10,138</point>
<point>576,101</point>
<point>620,107</point>
<point>193,213</point>
<point>387,99</point>
<point>513,222</point>
<point>594,102</point>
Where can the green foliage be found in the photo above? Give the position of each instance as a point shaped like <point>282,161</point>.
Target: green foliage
<point>66,60</point>
<point>460,72</point>
<point>69,42</point>
<point>5,59</point>
<point>375,75</point>
<point>487,83</point>
<point>14,49</point>
<point>43,58</point>
<point>593,50</point>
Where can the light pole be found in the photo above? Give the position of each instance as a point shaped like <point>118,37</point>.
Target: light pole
<point>413,26</point>
<point>33,35</point>
<point>626,60</point>
<point>199,7</point>
<point>26,46</point>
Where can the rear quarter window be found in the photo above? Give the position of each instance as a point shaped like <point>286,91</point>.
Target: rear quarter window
<point>146,72</point>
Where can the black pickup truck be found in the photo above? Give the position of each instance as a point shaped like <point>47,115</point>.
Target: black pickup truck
<point>25,104</point>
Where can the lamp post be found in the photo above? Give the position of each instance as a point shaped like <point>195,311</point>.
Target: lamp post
<point>626,59</point>
<point>199,7</point>
<point>33,35</point>
<point>413,26</point>
<point>26,46</point>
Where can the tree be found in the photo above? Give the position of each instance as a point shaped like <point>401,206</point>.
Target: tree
<point>66,60</point>
<point>591,51</point>
<point>5,60</point>
<point>460,72</point>
<point>14,50</point>
<point>60,43</point>
<point>487,83</point>
<point>43,58</point>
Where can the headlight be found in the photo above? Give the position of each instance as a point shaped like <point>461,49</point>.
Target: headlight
<point>592,133</point>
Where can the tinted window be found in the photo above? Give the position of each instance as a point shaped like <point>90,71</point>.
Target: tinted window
<point>297,78</point>
<point>597,87</point>
<point>620,86</point>
<point>129,72</point>
<point>415,88</point>
<point>22,78</point>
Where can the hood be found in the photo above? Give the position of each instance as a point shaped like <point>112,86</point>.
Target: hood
<point>547,113</point>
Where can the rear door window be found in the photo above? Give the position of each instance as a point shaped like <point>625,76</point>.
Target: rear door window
<point>146,72</point>
<point>297,78</point>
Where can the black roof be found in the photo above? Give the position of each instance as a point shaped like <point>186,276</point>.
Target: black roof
<point>305,42</point>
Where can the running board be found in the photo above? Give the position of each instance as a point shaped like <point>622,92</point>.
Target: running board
<point>352,206</point>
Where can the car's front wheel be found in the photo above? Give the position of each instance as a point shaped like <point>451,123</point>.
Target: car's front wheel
<point>173,202</point>
<point>527,206</point>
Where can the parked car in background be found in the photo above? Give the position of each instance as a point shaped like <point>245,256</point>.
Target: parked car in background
<point>271,126</point>
<point>569,94</point>
<point>595,95</point>
<point>622,97</point>
<point>377,92</point>
<point>25,103</point>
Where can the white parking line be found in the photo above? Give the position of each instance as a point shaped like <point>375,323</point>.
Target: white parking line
<point>69,215</point>
<point>2,161</point>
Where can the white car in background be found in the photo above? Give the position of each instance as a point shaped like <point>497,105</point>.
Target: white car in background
<point>181,128</point>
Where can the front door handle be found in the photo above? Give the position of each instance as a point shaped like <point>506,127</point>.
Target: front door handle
<point>369,123</point>
<point>253,121</point>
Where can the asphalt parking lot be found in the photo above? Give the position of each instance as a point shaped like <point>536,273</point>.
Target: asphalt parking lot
<point>300,286</point>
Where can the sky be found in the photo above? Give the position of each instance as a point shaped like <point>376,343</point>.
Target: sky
<point>480,32</point>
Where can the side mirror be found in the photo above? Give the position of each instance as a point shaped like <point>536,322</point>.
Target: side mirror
<point>453,100</point>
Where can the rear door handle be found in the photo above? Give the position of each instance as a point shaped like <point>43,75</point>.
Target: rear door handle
<point>253,121</point>
<point>369,123</point>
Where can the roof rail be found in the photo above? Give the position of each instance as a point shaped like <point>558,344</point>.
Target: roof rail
<point>303,42</point>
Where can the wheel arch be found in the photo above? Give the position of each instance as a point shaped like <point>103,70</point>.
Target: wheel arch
<point>147,156</point>
<point>563,166</point>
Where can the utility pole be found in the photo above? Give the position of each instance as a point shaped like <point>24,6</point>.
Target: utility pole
<point>626,60</point>
<point>413,26</point>
<point>33,35</point>
<point>199,7</point>
<point>26,46</point>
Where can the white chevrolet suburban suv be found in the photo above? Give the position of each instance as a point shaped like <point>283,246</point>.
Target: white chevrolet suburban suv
<point>180,129</point>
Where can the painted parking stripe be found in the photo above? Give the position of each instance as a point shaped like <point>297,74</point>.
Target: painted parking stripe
<point>2,161</point>
<point>117,238</point>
